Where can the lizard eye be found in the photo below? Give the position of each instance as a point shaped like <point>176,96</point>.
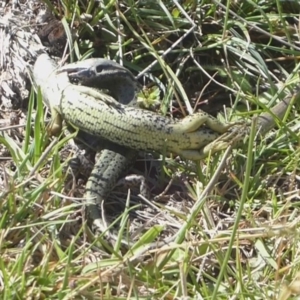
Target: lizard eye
<point>99,69</point>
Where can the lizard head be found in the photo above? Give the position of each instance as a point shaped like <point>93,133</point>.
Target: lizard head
<point>102,73</point>
<point>97,71</point>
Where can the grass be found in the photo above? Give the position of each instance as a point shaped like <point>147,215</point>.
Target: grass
<point>235,214</point>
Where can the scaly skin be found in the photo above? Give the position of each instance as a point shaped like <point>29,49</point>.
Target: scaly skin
<point>109,166</point>
<point>136,128</point>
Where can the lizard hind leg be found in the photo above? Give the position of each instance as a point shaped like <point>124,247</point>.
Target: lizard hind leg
<point>202,153</point>
<point>221,143</point>
<point>193,122</point>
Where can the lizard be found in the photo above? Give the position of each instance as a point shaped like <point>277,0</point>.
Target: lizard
<point>93,70</point>
<point>114,160</point>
